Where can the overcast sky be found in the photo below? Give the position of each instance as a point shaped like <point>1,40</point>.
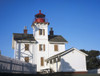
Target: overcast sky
<point>78,21</point>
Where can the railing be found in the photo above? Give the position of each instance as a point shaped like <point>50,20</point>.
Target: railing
<point>15,66</point>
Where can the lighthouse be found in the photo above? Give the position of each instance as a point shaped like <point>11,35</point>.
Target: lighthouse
<point>40,33</point>
<point>47,51</point>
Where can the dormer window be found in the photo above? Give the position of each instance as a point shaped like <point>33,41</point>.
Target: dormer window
<point>41,31</point>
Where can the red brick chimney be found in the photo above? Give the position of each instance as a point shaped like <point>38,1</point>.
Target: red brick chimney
<point>25,30</point>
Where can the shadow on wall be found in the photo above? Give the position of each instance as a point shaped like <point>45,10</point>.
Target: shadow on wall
<point>65,67</point>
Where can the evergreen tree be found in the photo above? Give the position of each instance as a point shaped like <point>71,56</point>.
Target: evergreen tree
<point>93,59</point>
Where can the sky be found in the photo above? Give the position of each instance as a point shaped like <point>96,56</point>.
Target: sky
<point>78,21</point>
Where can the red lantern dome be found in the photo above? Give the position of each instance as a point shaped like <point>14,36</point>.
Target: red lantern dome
<point>39,14</point>
<point>40,18</point>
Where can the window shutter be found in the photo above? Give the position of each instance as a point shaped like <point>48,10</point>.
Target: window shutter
<point>44,47</point>
<point>56,47</point>
<point>43,31</point>
<point>42,61</point>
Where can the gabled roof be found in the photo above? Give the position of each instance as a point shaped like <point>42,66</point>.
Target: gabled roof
<point>19,36</point>
<point>30,37</point>
<point>64,53</point>
<point>56,38</point>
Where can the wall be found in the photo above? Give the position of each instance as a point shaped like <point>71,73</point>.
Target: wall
<point>20,52</point>
<point>61,48</point>
<point>36,28</point>
<point>41,39</point>
<point>40,54</point>
<point>73,62</point>
<point>15,66</point>
<point>55,66</point>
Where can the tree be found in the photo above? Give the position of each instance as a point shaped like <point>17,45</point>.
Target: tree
<point>93,58</point>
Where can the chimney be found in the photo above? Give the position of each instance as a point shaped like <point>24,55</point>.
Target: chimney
<point>51,32</point>
<point>25,30</point>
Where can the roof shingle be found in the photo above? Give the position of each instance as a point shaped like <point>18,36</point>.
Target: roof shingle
<point>54,38</point>
<point>19,36</point>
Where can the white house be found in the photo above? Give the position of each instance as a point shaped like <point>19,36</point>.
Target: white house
<point>47,51</point>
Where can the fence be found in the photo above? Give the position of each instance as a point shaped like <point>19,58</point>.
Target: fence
<point>95,71</point>
<point>15,66</point>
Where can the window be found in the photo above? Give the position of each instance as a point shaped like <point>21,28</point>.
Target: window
<point>41,31</point>
<point>27,47</point>
<point>41,47</point>
<point>42,61</point>
<point>27,59</point>
<point>51,61</point>
<point>55,47</point>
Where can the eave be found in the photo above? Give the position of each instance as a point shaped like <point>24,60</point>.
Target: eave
<point>52,42</point>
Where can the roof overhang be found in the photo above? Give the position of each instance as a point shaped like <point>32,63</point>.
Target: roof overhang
<point>52,42</point>
<point>64,53</point>
<point>25,41</point>
<point>81,52</point>
<point>60,54</point>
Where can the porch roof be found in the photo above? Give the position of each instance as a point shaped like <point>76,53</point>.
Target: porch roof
<point>60,54</point>
<point>64,53</point>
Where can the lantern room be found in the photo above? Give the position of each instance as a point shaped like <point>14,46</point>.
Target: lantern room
<point>40,18</point>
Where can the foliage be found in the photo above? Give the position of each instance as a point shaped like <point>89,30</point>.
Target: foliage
<point>93,58</point>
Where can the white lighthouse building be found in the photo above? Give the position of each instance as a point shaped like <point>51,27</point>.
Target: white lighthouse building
<point>47,51</point>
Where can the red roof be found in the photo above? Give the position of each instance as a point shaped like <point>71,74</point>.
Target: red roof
<point>39,13</point>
